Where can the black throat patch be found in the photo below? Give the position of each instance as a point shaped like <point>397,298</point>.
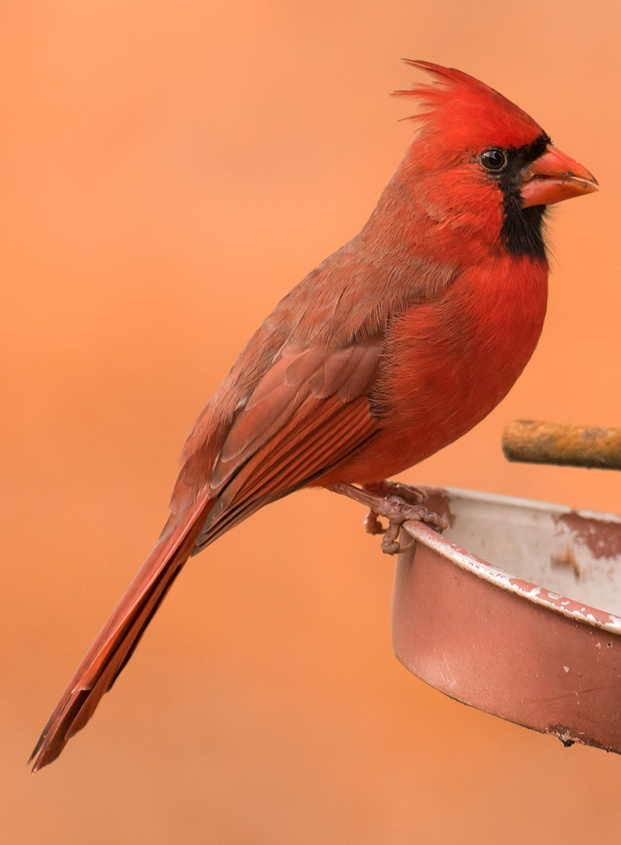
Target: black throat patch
<point>522,228</point>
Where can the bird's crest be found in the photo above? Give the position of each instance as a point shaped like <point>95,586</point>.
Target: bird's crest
<point>468,112</point>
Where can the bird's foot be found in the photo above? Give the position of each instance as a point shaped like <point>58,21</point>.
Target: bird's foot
<point>383,500</point>
<point>397,511</point>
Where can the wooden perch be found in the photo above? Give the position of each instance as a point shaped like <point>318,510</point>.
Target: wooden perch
<point>535,442</point>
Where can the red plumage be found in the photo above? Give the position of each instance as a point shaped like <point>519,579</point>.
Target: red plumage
<point>393,347</point>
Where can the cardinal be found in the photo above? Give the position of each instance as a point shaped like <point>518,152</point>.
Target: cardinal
<point>393,347</point>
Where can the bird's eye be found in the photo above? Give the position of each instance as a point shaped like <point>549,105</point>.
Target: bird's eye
<point>494,159</point>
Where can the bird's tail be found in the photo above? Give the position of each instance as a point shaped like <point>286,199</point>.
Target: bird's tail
<point>118,638</point>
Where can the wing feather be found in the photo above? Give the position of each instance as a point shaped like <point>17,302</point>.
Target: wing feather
<point>311,418</point>
<point>280,398</point>
<point>286,466</point>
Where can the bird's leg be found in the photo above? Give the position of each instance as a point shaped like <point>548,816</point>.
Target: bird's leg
<point>406,492</point>
<point>395,508</point>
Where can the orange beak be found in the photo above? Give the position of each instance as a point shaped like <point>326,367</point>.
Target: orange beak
<point>553,177</point>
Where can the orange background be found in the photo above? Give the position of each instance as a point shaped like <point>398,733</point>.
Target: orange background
<point>169,171</point>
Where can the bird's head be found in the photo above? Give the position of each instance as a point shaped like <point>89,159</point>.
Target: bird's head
<point>479,154</point>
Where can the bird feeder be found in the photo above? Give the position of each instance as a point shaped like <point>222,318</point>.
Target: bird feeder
<point>516,608</point>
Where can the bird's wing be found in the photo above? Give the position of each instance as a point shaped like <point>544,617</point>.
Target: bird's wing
<point>308,412</point>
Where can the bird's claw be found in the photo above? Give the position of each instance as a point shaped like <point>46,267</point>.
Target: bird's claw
<point>372,525</point>
<point>396,503</point>
<point>397,511</point>
<point>390,544</point>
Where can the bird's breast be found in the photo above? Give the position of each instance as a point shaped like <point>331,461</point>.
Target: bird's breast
<point>449,363</point>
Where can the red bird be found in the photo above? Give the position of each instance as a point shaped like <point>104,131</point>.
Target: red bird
<point>390,349</point>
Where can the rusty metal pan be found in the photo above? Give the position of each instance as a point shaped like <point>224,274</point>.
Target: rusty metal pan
<point>512,626</point>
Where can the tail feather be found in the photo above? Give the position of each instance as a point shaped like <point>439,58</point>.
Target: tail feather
<point>118,638</point>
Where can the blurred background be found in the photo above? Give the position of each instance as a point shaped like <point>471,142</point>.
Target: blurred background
<point>169,171</point>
